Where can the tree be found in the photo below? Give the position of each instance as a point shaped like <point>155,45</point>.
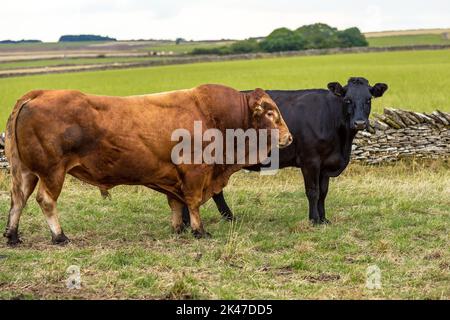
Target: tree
<point>352,37</point>
<point>179,40</point>
<point>319,36</point>
<point>245,46</point>
<point>84,37</point>
<point>282,39</point>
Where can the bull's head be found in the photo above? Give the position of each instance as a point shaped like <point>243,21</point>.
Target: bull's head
<point>357,99</point>
<point>265,114</point>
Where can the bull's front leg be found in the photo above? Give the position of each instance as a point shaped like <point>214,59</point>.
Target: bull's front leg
<point>193,185</point>
<point>311,179</point>
<point>221,205</point>
<point>196,223</point>
<point>177,209</point>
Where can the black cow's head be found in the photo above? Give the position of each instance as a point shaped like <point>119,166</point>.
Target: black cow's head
<point>357,98</point>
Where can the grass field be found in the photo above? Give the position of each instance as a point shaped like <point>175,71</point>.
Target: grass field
<point>45,46</point>
<point>407,40</point>
<point>184,47</point>
<point>418,80</point>
<point>395,217</point>
<point>72,61</point>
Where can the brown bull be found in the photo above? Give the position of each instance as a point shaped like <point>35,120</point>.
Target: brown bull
<point>109,141</point>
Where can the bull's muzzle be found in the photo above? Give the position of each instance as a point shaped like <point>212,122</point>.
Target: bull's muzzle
<point>285,141</point>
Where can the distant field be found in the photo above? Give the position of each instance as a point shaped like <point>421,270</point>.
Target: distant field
<point>418,80</point>
<point>406,32</point>
<point>185,47</point>
<point>72,61</point>
<point>407,40</point>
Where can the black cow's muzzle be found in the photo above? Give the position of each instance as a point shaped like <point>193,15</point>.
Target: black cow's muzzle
<point>360,124</point>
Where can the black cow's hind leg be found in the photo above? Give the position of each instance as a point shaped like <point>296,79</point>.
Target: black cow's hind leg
<point>324,182</point>
<point>186,216</point>
<point>222,205</point>
<point>311,178</point>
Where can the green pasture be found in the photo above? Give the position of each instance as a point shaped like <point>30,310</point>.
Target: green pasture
<point>418,80</point>
<point>394,217</point>
<point>407,40</point>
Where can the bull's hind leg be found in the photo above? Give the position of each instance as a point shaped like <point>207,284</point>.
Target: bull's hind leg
<point>23,185</point>
<point>48,193</point>
<point>177,219</point>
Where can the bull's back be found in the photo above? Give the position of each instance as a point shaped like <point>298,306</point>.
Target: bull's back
<point>109,140</point>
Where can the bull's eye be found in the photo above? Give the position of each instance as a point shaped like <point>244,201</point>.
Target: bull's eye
<point>368,100</point>
<point>270,114</point>
<point>347,101</point>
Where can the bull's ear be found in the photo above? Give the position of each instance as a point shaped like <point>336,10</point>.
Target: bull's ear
<point>255,100</point>
<point>378,89</point>
<point>336,88</point>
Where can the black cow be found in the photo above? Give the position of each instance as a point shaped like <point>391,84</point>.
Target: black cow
<point>323,124</point>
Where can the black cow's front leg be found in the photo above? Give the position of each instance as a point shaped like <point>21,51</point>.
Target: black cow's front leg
<point>311,178</point>
<point>324,182</point>
<point>222,206</point>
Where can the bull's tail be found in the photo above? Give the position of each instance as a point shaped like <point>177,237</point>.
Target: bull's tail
<point>11,149</point>
<point>23,181</point>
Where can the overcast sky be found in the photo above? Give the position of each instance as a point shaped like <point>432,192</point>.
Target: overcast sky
<point>209,19</point>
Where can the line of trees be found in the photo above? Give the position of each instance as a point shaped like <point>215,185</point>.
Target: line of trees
<point>84,37</point>
<point>20,41</point>
<point>314,36</point>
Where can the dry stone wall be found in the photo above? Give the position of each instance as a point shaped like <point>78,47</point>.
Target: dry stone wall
<point>390,136</point>
<point>397,134</point>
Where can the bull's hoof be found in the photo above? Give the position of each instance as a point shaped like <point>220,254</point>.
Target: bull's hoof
<point>60,239</point>
<point>179,229</point>
<point>13,238</point>
<point>198,234</point>
<point>325,221</point>
<point>315,222</point>
<point>13,241</point>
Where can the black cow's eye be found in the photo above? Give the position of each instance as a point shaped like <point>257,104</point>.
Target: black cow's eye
<point>368,100</point>
<point>347,101</point>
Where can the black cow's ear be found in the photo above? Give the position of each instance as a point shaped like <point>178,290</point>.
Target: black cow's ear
<point>336,88</point>
<point>378,89</point>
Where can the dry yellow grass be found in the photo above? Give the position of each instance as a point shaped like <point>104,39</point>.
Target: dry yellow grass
<point>405,32</point>
<point>396,217</point>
